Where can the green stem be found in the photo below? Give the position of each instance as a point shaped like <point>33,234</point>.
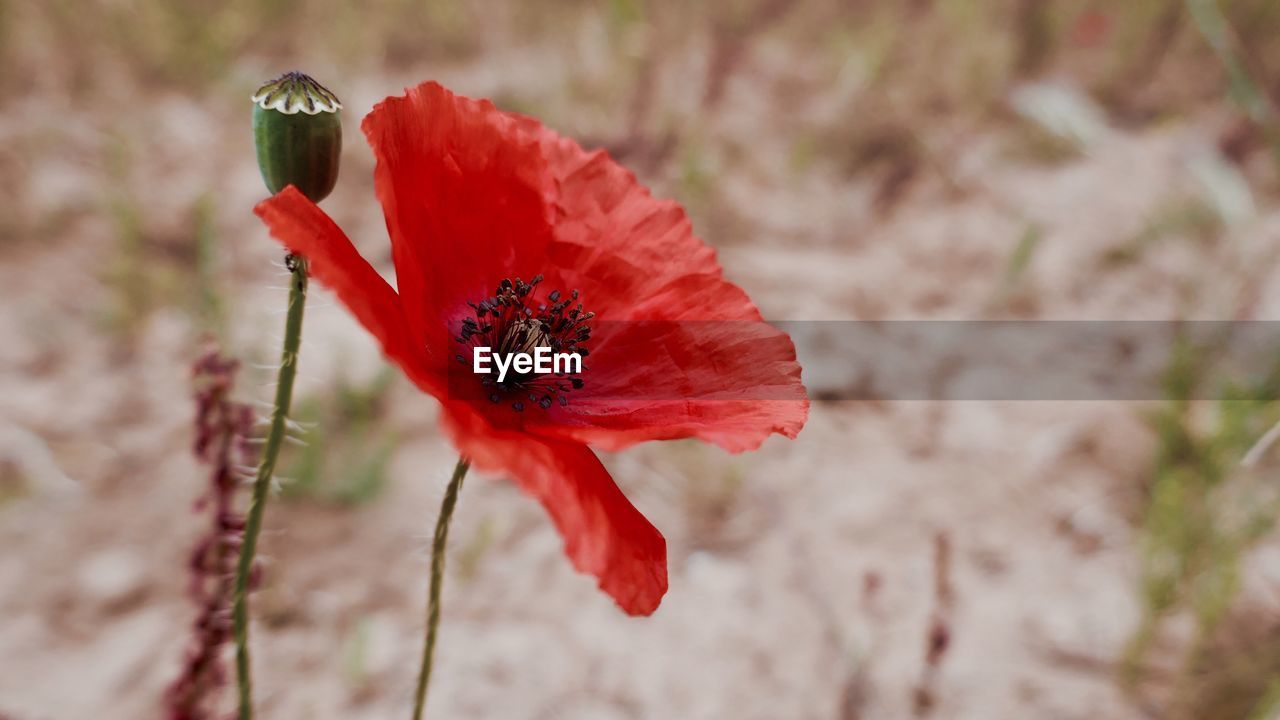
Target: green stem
<point>437,581</point>
<point>262,483</point>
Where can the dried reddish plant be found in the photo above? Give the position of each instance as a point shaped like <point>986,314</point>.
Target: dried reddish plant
<point>222,431</point>
<point>938,637</point>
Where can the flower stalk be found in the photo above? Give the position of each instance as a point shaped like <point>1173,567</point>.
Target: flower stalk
<point>297,133</point>
<point>262,481</point>
<point>437,582</point>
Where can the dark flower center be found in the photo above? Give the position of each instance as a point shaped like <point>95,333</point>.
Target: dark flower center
<point>513,321</point>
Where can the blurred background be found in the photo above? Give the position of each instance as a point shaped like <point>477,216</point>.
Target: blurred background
<point>873,160</point>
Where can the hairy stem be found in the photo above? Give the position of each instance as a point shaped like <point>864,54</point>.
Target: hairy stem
<point>437,581</point>
<point>262,483</point>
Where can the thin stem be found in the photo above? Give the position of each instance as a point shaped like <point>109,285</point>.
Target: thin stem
<point>262,483</point>
<point>437,581</point>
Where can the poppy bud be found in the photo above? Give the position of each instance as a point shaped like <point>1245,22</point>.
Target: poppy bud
<point>298,133</point>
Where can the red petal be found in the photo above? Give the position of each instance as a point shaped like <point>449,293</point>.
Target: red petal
<point>306,230</point>
<point>604,534</point>
<point>632,256</point>
<point>464,188</point>
<point>711,369</point>
<point>732,383</point>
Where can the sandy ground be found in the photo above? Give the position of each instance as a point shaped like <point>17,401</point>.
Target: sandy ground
<point>802,576</point>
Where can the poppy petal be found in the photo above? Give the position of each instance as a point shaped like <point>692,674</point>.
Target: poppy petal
<point>464,188</point>
<point>632,255</point>
<point>604,534</point>
<point>303,228</point>
<point>732,383</point>
<point>677,350</point>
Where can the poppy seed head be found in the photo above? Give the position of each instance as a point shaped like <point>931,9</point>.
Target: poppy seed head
<point>297,130</point>
<point>295,92</point>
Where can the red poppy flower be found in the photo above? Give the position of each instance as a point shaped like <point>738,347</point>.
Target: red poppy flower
<point>477,199</point>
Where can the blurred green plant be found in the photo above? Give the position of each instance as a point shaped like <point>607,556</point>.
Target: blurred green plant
<point>355,653</point>
<point>345,451</point>
<point>625,15</point>
<point>210,308</point>
<point>471,554</point>
<point>187,46</point>
<point>1204,510</point>
<point>986,63</point>
<point>804,152</point>
<point>5,22</point>
<point>171,41</point>
<point>1269,707</point>
<point>1245,90</point>
<point>126,272</point>
<point>1037,25</point>
<point>1188,218</point>
<point>1023,252</point>
<point>1144,32</point>
<point>1237,676</point>
<point>696,179</point>
<point>1014,292</point>
<point>145,272</point>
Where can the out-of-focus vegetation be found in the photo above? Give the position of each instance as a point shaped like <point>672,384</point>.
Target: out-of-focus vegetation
<point>188,45</point>
<point>1206,511</point>
<point>1186,218</point>
<point>1241,63</point>
<point>209,304</point>
<point>341,451</point>
<point>149,269</point>
<point>887,74</point>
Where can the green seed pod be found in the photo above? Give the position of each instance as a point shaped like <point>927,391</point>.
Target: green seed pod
<point>298,132</point>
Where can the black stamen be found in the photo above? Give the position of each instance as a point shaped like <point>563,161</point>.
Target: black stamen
<point>520,323</point>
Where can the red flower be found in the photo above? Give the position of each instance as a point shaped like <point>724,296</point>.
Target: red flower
<point>476,199</point>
